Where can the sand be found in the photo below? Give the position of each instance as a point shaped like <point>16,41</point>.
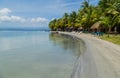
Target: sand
<point>101,59</point>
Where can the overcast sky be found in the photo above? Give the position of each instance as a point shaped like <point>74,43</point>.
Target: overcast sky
<point>34,13</point>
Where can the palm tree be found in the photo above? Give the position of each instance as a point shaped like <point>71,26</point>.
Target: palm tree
<point>107,11</point>
<point>107,22</point>
<point>52,25</point>
<point>110,13</point>
<point>72,19</point>
<point>65,19</point>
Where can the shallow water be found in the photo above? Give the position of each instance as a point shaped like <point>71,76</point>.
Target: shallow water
<point>37,54</point>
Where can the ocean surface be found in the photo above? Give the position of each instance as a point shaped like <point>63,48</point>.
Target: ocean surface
<point>37,54</point>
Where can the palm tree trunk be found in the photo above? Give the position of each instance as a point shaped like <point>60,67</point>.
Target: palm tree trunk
<point>109,32</point>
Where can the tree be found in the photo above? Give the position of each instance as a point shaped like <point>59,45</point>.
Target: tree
<point>89,16</point>
<point>107,11</point>
<point>72,19</point>
<point>52,25</point>
<point>107,22</point>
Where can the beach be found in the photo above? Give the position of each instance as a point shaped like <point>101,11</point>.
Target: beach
<point>101,59</point>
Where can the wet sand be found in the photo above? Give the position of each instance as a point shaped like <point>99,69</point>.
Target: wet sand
<point>101,59</point>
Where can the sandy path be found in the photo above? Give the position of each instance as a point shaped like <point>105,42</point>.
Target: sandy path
<point>100,60</point>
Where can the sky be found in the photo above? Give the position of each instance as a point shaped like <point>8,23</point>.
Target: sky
<point>35,13</point>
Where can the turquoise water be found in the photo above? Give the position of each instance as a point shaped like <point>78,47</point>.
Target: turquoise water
<point>36,54</point>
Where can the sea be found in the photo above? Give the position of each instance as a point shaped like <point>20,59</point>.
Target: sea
<point>37,54</point>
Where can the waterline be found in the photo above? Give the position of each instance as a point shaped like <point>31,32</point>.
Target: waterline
<point>37,55</point>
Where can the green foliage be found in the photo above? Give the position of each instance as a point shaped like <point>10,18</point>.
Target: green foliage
<point>107,11</point>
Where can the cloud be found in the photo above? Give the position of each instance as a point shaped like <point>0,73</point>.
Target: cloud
<point>71,4</point>
<point>5,11</point>
<point>6,17</point>
<point>53,19</point>
<point>17,19</point>
<point>39,20</point>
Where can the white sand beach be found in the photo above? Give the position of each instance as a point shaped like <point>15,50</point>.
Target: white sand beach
<point>101,59</point>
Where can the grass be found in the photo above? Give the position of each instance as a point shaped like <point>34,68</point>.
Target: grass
<point>113,38</point>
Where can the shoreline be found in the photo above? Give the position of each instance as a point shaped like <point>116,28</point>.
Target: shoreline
<point>100,59</point>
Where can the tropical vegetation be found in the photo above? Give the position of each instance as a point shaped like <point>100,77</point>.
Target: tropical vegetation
<point>106,11</point>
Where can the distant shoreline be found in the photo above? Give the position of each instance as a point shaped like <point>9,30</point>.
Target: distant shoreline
<point>23,29</point>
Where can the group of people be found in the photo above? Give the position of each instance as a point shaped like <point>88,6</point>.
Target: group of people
<point>97,33</point>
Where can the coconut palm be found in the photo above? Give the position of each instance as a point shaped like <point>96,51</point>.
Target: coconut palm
<point>72,19</point>
<point>107,11</point>
<point>52,24</point>
<point>65,19</point>
<point>90,15</point>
